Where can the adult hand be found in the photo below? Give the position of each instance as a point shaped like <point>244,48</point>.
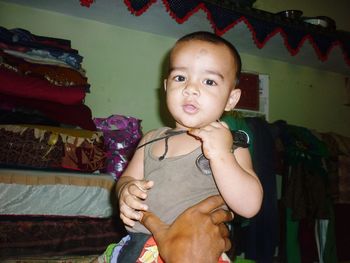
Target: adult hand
<point>197,235</point>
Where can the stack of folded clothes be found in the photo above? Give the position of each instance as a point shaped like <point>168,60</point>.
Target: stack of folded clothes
<point>44,122</point>
<point>41,81</point>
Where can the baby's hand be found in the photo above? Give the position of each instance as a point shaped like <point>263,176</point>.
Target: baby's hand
<point>216,139</point>
<point>131,196</point>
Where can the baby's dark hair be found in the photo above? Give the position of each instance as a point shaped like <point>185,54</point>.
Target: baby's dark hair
<point>213,38</point>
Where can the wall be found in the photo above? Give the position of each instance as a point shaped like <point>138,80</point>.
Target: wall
<point>124,68</point>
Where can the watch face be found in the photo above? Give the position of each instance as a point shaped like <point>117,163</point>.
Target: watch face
<point>203,165</point>
<point>240,138</point>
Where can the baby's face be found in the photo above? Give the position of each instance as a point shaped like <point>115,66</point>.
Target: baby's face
<point>200,84</point>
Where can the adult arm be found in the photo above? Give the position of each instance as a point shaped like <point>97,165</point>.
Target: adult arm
<point>197,235</point>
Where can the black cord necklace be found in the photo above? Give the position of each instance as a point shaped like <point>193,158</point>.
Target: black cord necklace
<point>168,133</point>
<point>240,139</point>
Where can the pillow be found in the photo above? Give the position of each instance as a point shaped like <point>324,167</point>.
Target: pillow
<point>121,136</point>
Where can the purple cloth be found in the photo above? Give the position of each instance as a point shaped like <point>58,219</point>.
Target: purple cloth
<point>121,136</point>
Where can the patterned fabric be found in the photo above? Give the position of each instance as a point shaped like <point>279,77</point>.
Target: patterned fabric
<point>56,236</point>
<point>21,148</point>
<point>56,259</point>
<point>112,251</point>
<point>51,148</point>
<point>149,253</point>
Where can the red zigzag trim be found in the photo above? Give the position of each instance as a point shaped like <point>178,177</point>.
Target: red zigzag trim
<point>260,45</point>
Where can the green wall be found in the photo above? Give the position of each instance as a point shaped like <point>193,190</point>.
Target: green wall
<point>124,68</point>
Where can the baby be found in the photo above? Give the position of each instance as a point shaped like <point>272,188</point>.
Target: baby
<point>176,168</point>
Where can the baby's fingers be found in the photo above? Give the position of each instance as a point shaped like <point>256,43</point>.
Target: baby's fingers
<point>128,215</point>
<point>127,221</point>
<point>139,188</point>
<point>135,203</point>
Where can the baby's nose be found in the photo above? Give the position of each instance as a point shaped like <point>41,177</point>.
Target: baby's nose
<point>191,89</point>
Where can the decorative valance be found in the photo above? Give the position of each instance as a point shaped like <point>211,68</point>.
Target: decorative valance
<point>263,25</point>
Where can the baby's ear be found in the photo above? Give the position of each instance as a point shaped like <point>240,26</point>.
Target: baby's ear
<point>233,99</point>
<point>164,84</point>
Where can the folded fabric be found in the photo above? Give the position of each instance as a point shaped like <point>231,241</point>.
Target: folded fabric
<point>47,147</point>
<point>75,115</point>
<point>68,59</point>
<point>23,37</point>
<point>60,76</point>
<point>22,40</point>
<point>21,117</point>
<point>15,84</point>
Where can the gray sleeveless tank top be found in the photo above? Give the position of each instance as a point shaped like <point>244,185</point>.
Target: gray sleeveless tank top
<point>178,184</point>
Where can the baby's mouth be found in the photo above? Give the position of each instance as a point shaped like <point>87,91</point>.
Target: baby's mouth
<point>190,108</point>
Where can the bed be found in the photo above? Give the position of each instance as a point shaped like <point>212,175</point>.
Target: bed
<point>56,213</point>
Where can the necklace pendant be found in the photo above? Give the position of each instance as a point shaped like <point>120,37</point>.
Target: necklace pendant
<point>203,165</point>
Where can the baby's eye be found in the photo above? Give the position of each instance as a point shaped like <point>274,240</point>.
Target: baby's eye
<point>210,82</point>
<point>179,78</point>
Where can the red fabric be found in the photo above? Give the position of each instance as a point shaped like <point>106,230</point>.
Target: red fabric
<point>86,3</point>
<point>249,85</point>
<point>14,84</point>
<point>149,243</point>
<point>57,75</point>
<point>146,254</point>
<point>76,115</point>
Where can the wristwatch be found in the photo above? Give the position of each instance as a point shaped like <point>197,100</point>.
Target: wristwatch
<point>240,139</point>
